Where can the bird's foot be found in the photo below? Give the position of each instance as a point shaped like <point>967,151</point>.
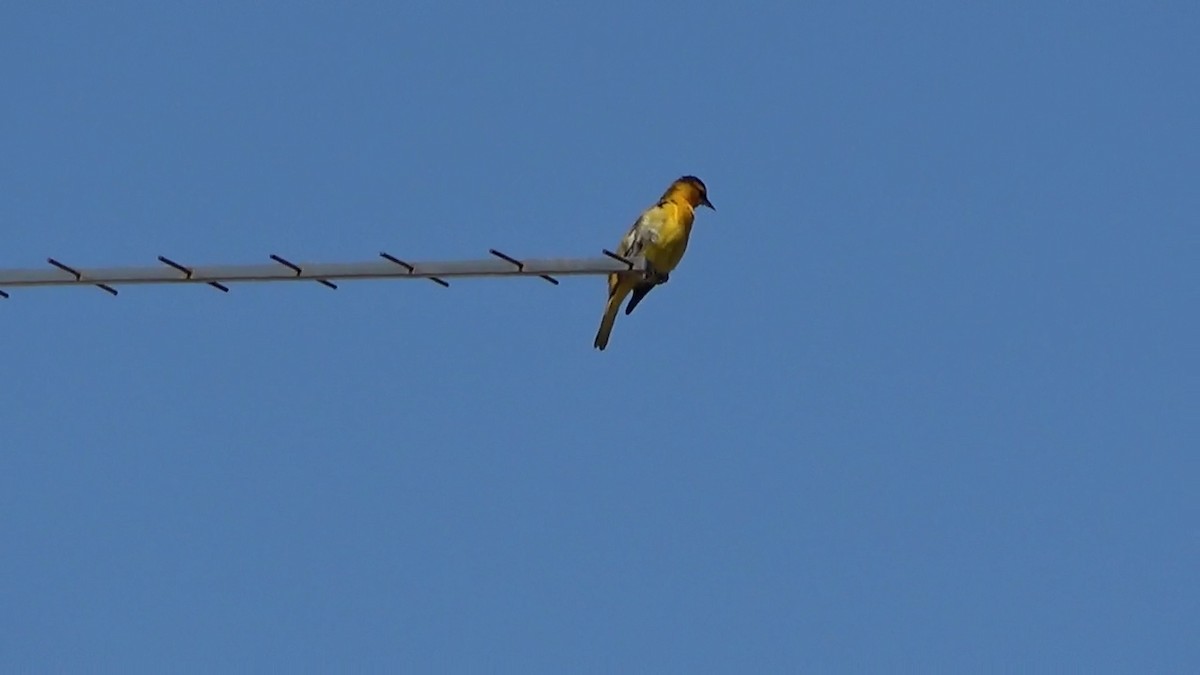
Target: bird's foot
<point>654,276</point>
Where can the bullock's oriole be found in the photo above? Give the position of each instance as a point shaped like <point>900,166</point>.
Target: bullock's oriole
<point>660,235</point>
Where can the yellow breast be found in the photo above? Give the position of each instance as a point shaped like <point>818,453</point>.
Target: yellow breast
<point>672,236</point>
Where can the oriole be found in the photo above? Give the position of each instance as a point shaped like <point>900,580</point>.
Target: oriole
<point>660,235</point>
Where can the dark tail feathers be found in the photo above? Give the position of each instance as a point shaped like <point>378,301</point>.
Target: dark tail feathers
<point>639,292</point>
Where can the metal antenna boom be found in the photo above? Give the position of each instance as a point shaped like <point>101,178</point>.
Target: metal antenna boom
<point>283,269</point>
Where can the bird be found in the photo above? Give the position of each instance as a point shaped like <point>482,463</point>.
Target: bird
<point>660,236</point>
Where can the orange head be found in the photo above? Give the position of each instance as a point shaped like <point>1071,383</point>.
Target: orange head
<point>689,189</point>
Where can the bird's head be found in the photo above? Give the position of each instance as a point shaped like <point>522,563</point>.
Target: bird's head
<point>691,190</point>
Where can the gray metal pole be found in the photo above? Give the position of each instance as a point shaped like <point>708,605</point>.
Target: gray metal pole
<point>281,269</point>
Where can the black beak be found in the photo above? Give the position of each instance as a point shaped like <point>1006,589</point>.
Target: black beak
<point>707,203</point>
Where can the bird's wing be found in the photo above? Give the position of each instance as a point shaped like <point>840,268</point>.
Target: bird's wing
<point>631,244</point>
<point>644,230</point>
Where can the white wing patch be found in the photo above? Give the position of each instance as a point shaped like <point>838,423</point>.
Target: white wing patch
<point>645,230</point>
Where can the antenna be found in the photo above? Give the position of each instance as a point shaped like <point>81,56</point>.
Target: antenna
<point>283,269</point>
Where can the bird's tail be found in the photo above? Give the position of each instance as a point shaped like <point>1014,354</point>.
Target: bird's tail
<point>610,316</point>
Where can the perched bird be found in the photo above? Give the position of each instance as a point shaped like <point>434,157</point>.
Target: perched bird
<point>660,235</point>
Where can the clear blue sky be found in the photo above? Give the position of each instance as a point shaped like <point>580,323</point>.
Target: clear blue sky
<point>923,394</point>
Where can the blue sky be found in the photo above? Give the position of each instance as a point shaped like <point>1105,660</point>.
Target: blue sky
<point>923,394</point>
